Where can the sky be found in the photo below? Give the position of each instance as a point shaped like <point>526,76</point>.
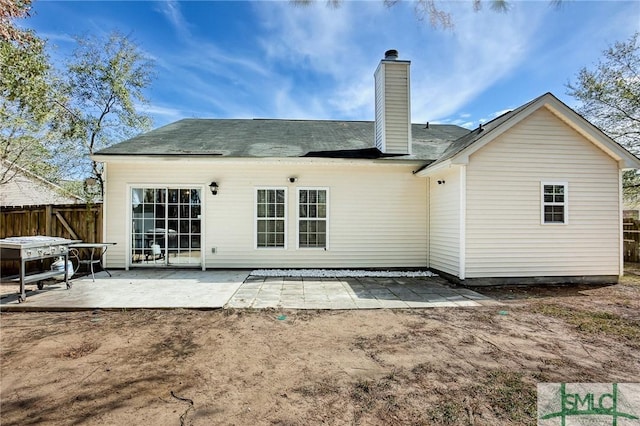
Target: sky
<point>275,59</point>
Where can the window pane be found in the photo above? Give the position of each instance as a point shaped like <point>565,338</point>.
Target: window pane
<point>554,203</point>
<point>148,195</point>
<point>195,227</point>
<point>554,214</point>
<point>312,232</point>
<point>271,206</point>
<point>195,196</point>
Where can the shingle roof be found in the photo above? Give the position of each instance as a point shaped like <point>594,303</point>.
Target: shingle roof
<point>27,189</point>
<point>280,138</point>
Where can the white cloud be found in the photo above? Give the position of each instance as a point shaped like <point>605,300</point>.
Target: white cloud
<point>168,114</point>
<point>485,48</point>
<point>344,46</point>
<point>170,9</point>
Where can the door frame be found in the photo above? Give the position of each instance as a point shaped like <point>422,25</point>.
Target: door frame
<point>129,221</point>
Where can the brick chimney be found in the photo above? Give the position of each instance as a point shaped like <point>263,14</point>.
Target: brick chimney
<point>393,105</point>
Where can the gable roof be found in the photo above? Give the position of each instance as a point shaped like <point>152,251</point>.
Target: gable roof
<point>460,150</point>
<point>262,138</point>
<point>28,189</point>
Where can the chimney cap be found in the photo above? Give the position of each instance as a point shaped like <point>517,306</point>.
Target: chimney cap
<point>391,55</point>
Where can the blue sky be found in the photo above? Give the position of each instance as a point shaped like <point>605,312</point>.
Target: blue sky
<point>272,59</point>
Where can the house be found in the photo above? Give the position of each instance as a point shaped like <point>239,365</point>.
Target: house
<point>533,195</point>
<point>27,189</point>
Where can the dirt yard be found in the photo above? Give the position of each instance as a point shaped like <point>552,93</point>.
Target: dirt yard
<point>469,366</point>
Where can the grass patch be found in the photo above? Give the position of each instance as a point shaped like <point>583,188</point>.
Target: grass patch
<point>511,397</point>
<point>414,397</point>
<point>179,345</point>
<point>446,413</point>
<point>79,351</point>
<point>596,322</point>
<point>318,389</point>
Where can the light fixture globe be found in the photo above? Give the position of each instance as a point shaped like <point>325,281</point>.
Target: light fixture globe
<point>213,186</point>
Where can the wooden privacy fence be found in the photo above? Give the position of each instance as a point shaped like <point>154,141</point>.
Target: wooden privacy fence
<point>73,221</point>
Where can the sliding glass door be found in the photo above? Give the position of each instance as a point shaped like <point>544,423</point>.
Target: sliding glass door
<point>166,226</point>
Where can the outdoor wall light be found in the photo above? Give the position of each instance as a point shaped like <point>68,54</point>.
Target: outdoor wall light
<point>293,179</point>
<point>213,186</point>
<point>440,182</point>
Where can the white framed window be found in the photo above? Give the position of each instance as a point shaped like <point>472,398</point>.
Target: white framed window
<point>271,217</point>
<point>313,213</point>
<point>554,197</point>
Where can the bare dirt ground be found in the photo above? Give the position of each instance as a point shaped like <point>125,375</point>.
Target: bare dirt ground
<point>468,366</point>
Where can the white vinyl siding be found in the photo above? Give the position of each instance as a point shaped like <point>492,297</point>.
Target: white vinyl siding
<point>377,210</point>
<point>393,131</point>
<point>444,218</point>
<point>504,233</point>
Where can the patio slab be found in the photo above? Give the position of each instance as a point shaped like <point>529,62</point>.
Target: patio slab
<point>355,293</point>
<point>158,289</point>
<point>236,289</point>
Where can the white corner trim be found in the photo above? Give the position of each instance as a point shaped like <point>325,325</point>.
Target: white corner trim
<point>463,222</point>
<point>620,225</point>
<point>105,181</point>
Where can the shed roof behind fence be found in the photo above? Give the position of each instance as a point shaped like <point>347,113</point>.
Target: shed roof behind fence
<point>28,189</point>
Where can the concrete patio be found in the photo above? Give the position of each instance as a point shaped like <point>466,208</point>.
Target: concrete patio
<point>214,289</point>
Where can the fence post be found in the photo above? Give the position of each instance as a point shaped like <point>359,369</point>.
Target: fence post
<point>48,218</point>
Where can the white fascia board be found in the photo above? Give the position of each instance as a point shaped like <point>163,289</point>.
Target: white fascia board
<point>262,160</point>
<point>430,170</point>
